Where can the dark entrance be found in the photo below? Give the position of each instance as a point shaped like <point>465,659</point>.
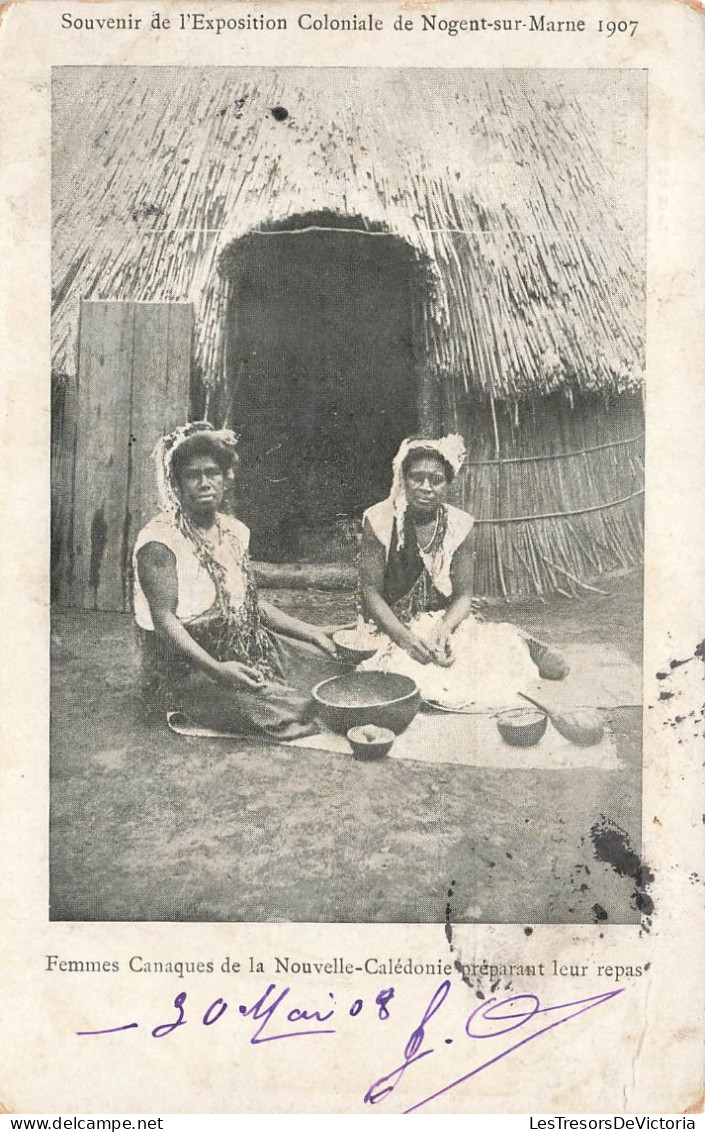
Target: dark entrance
<point>321,379</point>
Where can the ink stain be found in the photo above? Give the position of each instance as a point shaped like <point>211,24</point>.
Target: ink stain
<point>449,934</point>
<point>644,903</point>
<point>459,968</point>
<point>599,913</point>
<point>611,845</point>
<point>449,912</point>
<point>279,113</point>
<point>528,931</point>
<point>449,927</point>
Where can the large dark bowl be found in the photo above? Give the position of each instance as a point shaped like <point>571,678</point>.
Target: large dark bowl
<point>382,698</point>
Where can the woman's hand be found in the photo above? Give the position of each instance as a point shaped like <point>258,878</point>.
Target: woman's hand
<point>322,641</point>
<point>281,622</point>
<point>236,675</point>
<point>417,649</point>
<point>441,642</point>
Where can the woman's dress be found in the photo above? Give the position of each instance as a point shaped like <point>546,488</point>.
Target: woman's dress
<point>218,605</point>
<point>492,661</point>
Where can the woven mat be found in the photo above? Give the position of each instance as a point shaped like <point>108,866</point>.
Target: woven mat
<point>600,676</point>
<point>459,740</point>
<point>473,740</point>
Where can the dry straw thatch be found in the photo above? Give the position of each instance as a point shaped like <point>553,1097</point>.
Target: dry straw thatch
<point>522,194</point>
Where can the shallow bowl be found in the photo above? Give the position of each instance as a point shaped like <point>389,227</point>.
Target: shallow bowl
<point>365,749</point>
<point>356,698</point>
<point>522,727</point>
<point>354,646</point>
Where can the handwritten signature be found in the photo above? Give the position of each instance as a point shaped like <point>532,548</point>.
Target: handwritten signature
<point>278,1019</point>
<point>501,1017</point>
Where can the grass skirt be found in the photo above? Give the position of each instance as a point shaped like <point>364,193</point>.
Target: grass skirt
<point>281,709</point>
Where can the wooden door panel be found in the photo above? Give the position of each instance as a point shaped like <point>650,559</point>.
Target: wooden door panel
<point>102,455</point>
<point>133,385</point>
<point>160,396</point>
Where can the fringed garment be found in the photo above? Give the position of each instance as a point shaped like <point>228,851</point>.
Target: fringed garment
<point>218,606</point>
<point>492,661</point>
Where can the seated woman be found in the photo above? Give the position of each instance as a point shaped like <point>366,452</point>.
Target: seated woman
<point>416,572</point>
<point>211,649</point>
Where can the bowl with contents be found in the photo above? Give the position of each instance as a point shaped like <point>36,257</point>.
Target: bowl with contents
<point>370,742</point>
<point>355,645</point>
<point>522,727</point>
<point>385,699</point>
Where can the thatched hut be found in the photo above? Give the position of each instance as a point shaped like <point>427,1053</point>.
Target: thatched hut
<point>365,253</point>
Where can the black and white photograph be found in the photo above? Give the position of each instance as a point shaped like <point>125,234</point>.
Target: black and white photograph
<point>347,483</point>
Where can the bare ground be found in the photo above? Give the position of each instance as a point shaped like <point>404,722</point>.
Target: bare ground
<point>147,825</point>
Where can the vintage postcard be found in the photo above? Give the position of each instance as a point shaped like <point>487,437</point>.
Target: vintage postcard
<point>353,557</point>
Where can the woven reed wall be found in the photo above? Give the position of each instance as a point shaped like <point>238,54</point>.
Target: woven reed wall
<point>564,503</point>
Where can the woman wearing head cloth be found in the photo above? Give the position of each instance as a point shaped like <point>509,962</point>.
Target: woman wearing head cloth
<point>416,573</point>
<point>211,649</point>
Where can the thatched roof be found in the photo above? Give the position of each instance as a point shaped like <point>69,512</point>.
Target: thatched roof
<point>522,191</point>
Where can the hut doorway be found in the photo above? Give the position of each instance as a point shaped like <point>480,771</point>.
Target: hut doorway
<point>321,379</point>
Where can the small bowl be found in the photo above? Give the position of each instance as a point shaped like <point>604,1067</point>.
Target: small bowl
<point>354,646</point>
<point>522,727</point>
<point>364,748</point>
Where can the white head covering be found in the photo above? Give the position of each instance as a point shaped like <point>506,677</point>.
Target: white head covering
<point>165,448</point>
<point>449,448</point>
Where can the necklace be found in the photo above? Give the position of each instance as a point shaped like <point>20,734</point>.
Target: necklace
<point>218,533</point>
<point>429,544</point>
<point>213,536</point>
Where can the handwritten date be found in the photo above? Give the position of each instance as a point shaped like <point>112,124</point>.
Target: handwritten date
<point>275,1018</point>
